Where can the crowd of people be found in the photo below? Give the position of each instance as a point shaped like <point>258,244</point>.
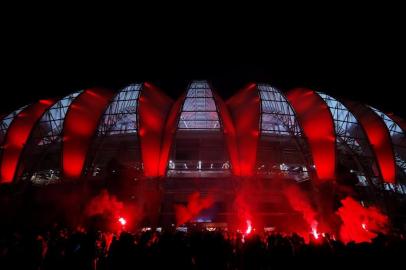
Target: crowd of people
<point>60,248</point>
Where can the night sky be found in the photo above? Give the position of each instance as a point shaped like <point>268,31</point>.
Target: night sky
<point>348,56</point>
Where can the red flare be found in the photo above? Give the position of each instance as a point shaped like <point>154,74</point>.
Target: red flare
<point>315,233</point>
<point>249,227</point>
<point>122,221</point>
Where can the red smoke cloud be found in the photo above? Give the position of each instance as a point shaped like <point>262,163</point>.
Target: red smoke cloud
<point>360,224</point>
<point>194,205</point>
<point>300,203</point>
<point>104,204</point>
<point>243,211</point>
<point>113,211</point>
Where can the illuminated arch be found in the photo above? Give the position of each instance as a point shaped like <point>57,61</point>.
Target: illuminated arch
<point>130,131</point>
<point>399,121</point>
<point>352,142</point>
<point>399,146</point>
<point>80,125</point>
<point>397,133</point>
<point>6,121</point>
<point>245,109</point>
<point>318,127</point>
<point>379,138</point>
<point>17,135</point>
<point>169,134</point>
<point>40,161</point>
<point>264,119</point>
<point>229,134</point>
<point>154,107</point>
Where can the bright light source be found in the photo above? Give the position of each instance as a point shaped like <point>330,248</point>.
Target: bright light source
<point>122,221</point>
<point>249,227</point>
<point>315,233</point>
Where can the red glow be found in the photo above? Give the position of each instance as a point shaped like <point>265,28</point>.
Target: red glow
<point>104,204</point>
<point>299,201</point>
<point>229,134</point>
<point>243,203</point>
<point>17,135</point>
<point>245,111</point>
<point>115,213</point>
<point>379,138</point>
<point>169,134</point>
<point>171,127</point>
<point>80,124</point>
<point>194,206</point>
<point>153,108</point>
<point>318,126</point>
<point>122,221</point>
<point>249,227</point>
<point>360,224</point>
<point>315,233</point>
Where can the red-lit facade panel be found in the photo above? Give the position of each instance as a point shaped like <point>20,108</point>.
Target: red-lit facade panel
<point>379,138</point>
<point>402,124</point>
<point>80,124</point>
<point>245,111</point>
<point>169,132</point>
<point>318,126</point>
<point>17,135</point>
<point>229,134</point>
<point>153,108</point>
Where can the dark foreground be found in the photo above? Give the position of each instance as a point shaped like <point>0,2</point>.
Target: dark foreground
<point>59,248</point>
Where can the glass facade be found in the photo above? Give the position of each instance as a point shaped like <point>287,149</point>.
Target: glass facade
<point>6,121</point>
<point>277,115</point>
<point>199,147</point>
<point>51,123</point>
<point>355,153</point>
<point>121,115</point>
<point>42,163</point>
<point>281,150</point>
<point>399,144</point>
<point>116,144</point>
<point>199,110</point>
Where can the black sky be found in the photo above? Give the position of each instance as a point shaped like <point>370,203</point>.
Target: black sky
<point>358,55</point>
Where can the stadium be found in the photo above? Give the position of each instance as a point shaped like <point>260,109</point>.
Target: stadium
<point>263,159</point>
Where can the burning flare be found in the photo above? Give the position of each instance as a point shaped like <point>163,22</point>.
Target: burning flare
<point>122,221</point>
<point>315,233</point>
<point>249,227</point>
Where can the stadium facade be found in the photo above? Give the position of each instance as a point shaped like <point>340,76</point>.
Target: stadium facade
<point>200,142</point>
